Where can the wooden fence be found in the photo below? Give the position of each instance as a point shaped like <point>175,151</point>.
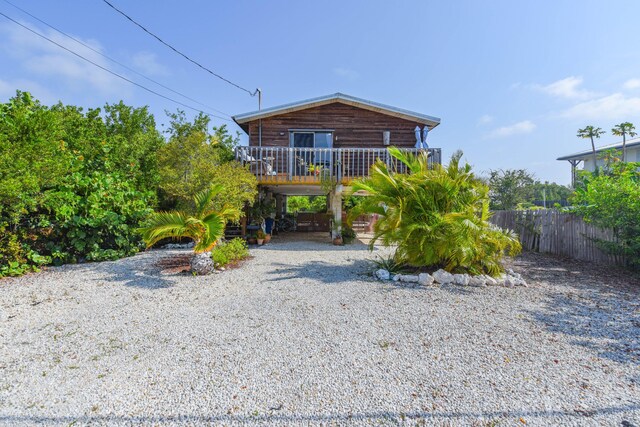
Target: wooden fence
<point>554,232</point>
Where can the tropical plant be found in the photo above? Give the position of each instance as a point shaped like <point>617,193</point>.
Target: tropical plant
<point>202,225</point>
<point>591,132</point>
<point>229,252</point>
<point>437,216</point>
<point>624,129</point>
<point>612,201</point>
<point>74,184</point>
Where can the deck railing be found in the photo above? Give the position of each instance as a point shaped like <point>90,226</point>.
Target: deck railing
<point>283,165</point>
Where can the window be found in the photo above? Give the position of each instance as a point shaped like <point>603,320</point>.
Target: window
<point>307,159</point>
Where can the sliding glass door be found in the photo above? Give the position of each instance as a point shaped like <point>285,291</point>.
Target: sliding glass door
<point>307,161</point>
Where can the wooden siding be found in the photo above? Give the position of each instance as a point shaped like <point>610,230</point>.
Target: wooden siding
<point>351,126</point>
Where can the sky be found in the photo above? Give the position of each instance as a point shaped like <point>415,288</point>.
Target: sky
<point>512,81</point>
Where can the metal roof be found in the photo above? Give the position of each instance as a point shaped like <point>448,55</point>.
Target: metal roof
<point>586,153</point>
<point>342,98</point>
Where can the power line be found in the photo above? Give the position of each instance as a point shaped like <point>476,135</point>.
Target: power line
<point>178,52</point>
<point>114,60</point>
<point>112,72</point>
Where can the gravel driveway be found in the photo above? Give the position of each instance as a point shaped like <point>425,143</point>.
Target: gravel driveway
<point>300,334</point>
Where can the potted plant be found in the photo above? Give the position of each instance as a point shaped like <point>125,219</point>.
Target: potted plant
<point>348,234</point>
<point>267,238</point>
<point>337,233</point>
<point>315,169</point>
<point>260,237</point>
<point>252,240</point>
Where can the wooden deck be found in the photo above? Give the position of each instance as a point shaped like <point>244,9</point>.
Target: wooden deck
<point>313,166</point>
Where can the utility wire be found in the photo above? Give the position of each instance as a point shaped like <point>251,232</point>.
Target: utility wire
<point>114,60</point>
<point>112,72</point>
<point>178,52</point>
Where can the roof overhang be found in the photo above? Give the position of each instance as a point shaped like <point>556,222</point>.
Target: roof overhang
<point>588,153</point>
<point>429,121</point>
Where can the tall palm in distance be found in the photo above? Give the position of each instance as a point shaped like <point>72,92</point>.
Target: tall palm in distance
<point>591,132</point>
<point>624,129</point>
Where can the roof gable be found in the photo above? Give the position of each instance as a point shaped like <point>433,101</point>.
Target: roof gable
<point>430,121</point>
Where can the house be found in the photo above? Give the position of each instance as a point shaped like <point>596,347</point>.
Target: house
<point>586,157</point>
<point>318,146</point>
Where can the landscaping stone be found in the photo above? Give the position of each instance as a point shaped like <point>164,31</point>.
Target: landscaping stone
<point>383,274</point>
<point>461,279</point>
<point>396,277</point>
<point>409,278</point>
<point>490,281</point>
<point>443,277</point>
<point>425,279</point>
<point>478,281</point>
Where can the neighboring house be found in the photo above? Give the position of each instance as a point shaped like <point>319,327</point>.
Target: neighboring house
<point>586,157</point>
<point>320,145</point>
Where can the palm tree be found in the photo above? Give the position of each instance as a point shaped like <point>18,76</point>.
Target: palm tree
<point>203,225</point>
<point>437,216</point>
<point>591,132</point>
<point>624,129</point>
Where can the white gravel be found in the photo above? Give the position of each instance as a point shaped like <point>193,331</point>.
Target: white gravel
<point>301,334</point>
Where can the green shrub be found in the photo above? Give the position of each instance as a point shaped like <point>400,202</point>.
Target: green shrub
<point>437,217</point>
<point>611,199</point>
<point>230,252</point>
<point>348,234</point>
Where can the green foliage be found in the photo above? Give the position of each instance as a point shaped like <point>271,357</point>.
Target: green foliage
<point>202,224</point>
<point>509,187</point>
<point>612,200</point>
<point>229,252</point>
<point>306,204</point>
<point>437,217</point>
<point>73,184</point>
<point>348,234</point>
<point>624,129</point>
<point>194,159</point>
<point>591,132</point>
<point>389,263</point>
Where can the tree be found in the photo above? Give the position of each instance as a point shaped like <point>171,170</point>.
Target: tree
<point>202,224</point>
<point>437,216</point>
<point>624,129</point>
<point>193,159</point>
<point>508,188</point>
<point>612,200</point>
<point>591,132</point>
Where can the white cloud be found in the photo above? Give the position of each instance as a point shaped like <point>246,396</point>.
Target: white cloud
<point>566,88</point>
<point>485,119</point>
<point>8,89</point>
<point>526,126</point>
<point>346,73</point>
<point>611,107</point>
<point>632,84</point>
<point>40,57</point>
<point>147,62</point>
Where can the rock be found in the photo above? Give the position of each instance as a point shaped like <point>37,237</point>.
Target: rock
<point>179,245</point>
<point>382,274</point>
<point>490,281</point>
<point>443,277</point>
<point>202,264</point>
<point>509,281</point>
<point>409,278</point>
<point>461,279</point>
<point>396,277</point>
<point>479,281</point>
<point>425,279</point>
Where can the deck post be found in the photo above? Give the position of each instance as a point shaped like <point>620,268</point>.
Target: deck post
<point>335,199</point>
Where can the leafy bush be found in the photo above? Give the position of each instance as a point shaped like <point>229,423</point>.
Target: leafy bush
<point>611,199</point>
<point>437,217</point>
<point>230,252</point>
<point>348,234</point>
<point>74,185</point>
